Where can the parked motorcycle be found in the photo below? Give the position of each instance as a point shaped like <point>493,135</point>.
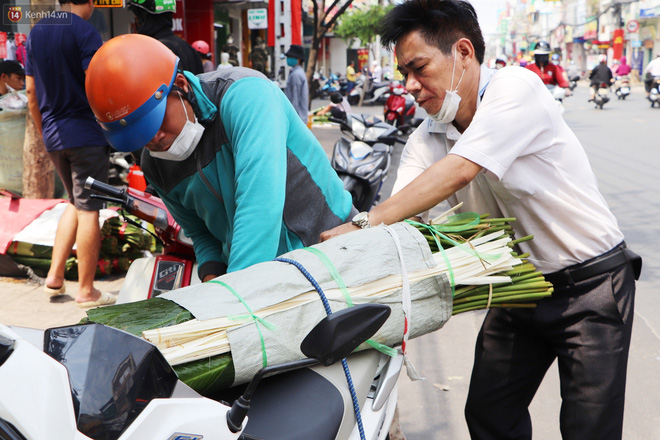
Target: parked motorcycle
<point>376,93</point>
<point>90,381</point>
<point>362,157</point>
<point>602,95</point>
<point>654,94</point>
<point>622,87</point>
<point>151,276</point>
<point>400,108</point>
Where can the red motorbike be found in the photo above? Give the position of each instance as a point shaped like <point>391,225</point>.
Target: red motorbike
<point>174,268</point>
<point>400,108</point>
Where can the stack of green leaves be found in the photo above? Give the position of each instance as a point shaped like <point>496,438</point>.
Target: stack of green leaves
<point>527,284</point>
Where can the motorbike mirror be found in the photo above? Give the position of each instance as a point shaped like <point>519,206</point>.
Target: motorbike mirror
<point>338,335</point>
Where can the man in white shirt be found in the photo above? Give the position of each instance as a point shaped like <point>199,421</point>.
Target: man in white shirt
<point>496,141</point>
<point>651,71</point>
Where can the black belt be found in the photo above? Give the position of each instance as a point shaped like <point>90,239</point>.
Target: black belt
<point>610,260</point>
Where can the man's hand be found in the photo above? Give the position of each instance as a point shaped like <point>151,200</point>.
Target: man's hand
<point>339,230</point>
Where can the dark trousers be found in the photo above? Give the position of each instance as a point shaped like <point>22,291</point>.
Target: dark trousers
<point>586,326</point>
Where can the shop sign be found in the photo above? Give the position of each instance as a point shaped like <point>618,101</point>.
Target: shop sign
<point>108,3</point>
<point>647,13</point>
<point>257,18</point>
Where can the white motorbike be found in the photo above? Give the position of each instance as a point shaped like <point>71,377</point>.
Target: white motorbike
<point>654,94</point>
<point>622,87</point>
<point>559,93</point>
<point>96,382</point>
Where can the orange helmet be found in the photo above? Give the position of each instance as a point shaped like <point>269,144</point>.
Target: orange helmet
<point>201,46</point>
<point>127,84</point>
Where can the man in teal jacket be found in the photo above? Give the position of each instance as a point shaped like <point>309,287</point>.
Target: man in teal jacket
<point>226,151</point>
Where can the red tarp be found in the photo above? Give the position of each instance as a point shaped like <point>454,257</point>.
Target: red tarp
<point>16,214</point>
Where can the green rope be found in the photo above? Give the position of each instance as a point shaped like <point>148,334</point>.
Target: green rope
<point>257,320</point>
<point>389,351</point>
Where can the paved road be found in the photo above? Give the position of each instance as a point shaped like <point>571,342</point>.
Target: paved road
<point>621,141</point>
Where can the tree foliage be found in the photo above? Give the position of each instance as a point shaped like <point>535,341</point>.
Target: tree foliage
<point>361,24</point>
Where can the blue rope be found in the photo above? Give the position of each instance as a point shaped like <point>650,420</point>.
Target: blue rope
<point>344,363</point>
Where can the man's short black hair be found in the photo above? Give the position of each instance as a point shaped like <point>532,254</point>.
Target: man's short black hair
<point>10,66</point>
<point>441,23</point>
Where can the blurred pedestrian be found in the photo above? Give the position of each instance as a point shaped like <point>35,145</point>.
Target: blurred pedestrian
<point>224,61</point>
<point>297,89</point>
<point>623,68</point>
<point>376,72</point>
<point>259,56</point>
<point>601,74</point>
<point>12,76</point>
<point>232,50</point>
<point>154,19</point>
<point>204,51</point>
<point>651,71</point>
<point>59,50</point>
<point>350,76</point>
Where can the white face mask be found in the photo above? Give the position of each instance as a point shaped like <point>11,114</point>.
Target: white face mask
<point>185,143</point>
<point>452,100</point>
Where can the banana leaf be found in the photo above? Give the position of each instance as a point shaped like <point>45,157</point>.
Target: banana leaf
<point>206,376</point>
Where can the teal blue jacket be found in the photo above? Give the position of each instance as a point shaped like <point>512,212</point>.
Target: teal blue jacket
<point>258,185</point>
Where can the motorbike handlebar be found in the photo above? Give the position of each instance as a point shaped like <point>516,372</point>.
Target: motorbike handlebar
<point>104,188</point>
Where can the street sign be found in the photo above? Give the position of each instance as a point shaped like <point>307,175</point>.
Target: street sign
<point>632,26</point>
<point>257,18</point>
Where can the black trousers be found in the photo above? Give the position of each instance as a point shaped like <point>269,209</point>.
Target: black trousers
<point>586,326</point>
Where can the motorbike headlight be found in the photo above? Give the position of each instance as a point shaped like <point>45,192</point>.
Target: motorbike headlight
<point>358,129</point>
<point>341,161</point>
<point>366,169</point>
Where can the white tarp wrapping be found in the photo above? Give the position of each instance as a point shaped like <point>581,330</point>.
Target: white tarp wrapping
<point>360,257</point>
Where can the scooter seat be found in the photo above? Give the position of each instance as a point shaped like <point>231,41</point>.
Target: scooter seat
<point>299,405</point>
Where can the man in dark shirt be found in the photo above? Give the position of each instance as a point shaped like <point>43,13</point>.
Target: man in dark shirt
<point>601,74</point>
<point>59,50</point>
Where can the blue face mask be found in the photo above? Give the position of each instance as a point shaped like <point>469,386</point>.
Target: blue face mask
<point>291,61</point>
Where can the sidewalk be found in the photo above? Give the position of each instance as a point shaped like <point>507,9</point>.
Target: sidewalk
<point>24,303</point>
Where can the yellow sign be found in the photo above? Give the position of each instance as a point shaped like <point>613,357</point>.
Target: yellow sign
<point>108,3</point>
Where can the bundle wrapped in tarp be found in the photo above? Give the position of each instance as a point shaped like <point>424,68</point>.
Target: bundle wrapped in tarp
<point>222,332</point>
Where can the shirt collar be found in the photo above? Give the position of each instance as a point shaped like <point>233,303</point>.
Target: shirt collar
<point>485,76</point>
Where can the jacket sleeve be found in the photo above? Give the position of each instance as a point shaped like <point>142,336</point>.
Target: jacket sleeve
<point>257,115</point>
<point>208,249</point>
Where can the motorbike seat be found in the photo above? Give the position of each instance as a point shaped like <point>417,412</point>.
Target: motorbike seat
<point>299,405</point>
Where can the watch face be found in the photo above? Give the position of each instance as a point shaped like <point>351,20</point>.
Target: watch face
<point>359,217</point>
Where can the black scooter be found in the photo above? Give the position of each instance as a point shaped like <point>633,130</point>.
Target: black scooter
<point>362,157</point>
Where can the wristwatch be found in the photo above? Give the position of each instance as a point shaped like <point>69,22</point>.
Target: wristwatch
<point>361,220</point>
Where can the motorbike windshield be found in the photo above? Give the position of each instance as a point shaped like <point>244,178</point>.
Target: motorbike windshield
<point>113,376</point>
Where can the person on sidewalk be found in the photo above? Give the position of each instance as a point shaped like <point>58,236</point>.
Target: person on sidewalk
<point>351,77</point>
<point>496,141</point>
<point>226,152</point>
<point>297,89</point>
<point>59,50</point>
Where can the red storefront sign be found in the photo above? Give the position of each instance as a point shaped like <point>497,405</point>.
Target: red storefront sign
<point>617,44</point>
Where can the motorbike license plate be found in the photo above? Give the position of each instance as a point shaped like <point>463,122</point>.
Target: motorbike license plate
<point>625,89</point>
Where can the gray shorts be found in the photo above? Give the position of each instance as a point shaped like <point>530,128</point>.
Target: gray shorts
<point>74,165</point>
